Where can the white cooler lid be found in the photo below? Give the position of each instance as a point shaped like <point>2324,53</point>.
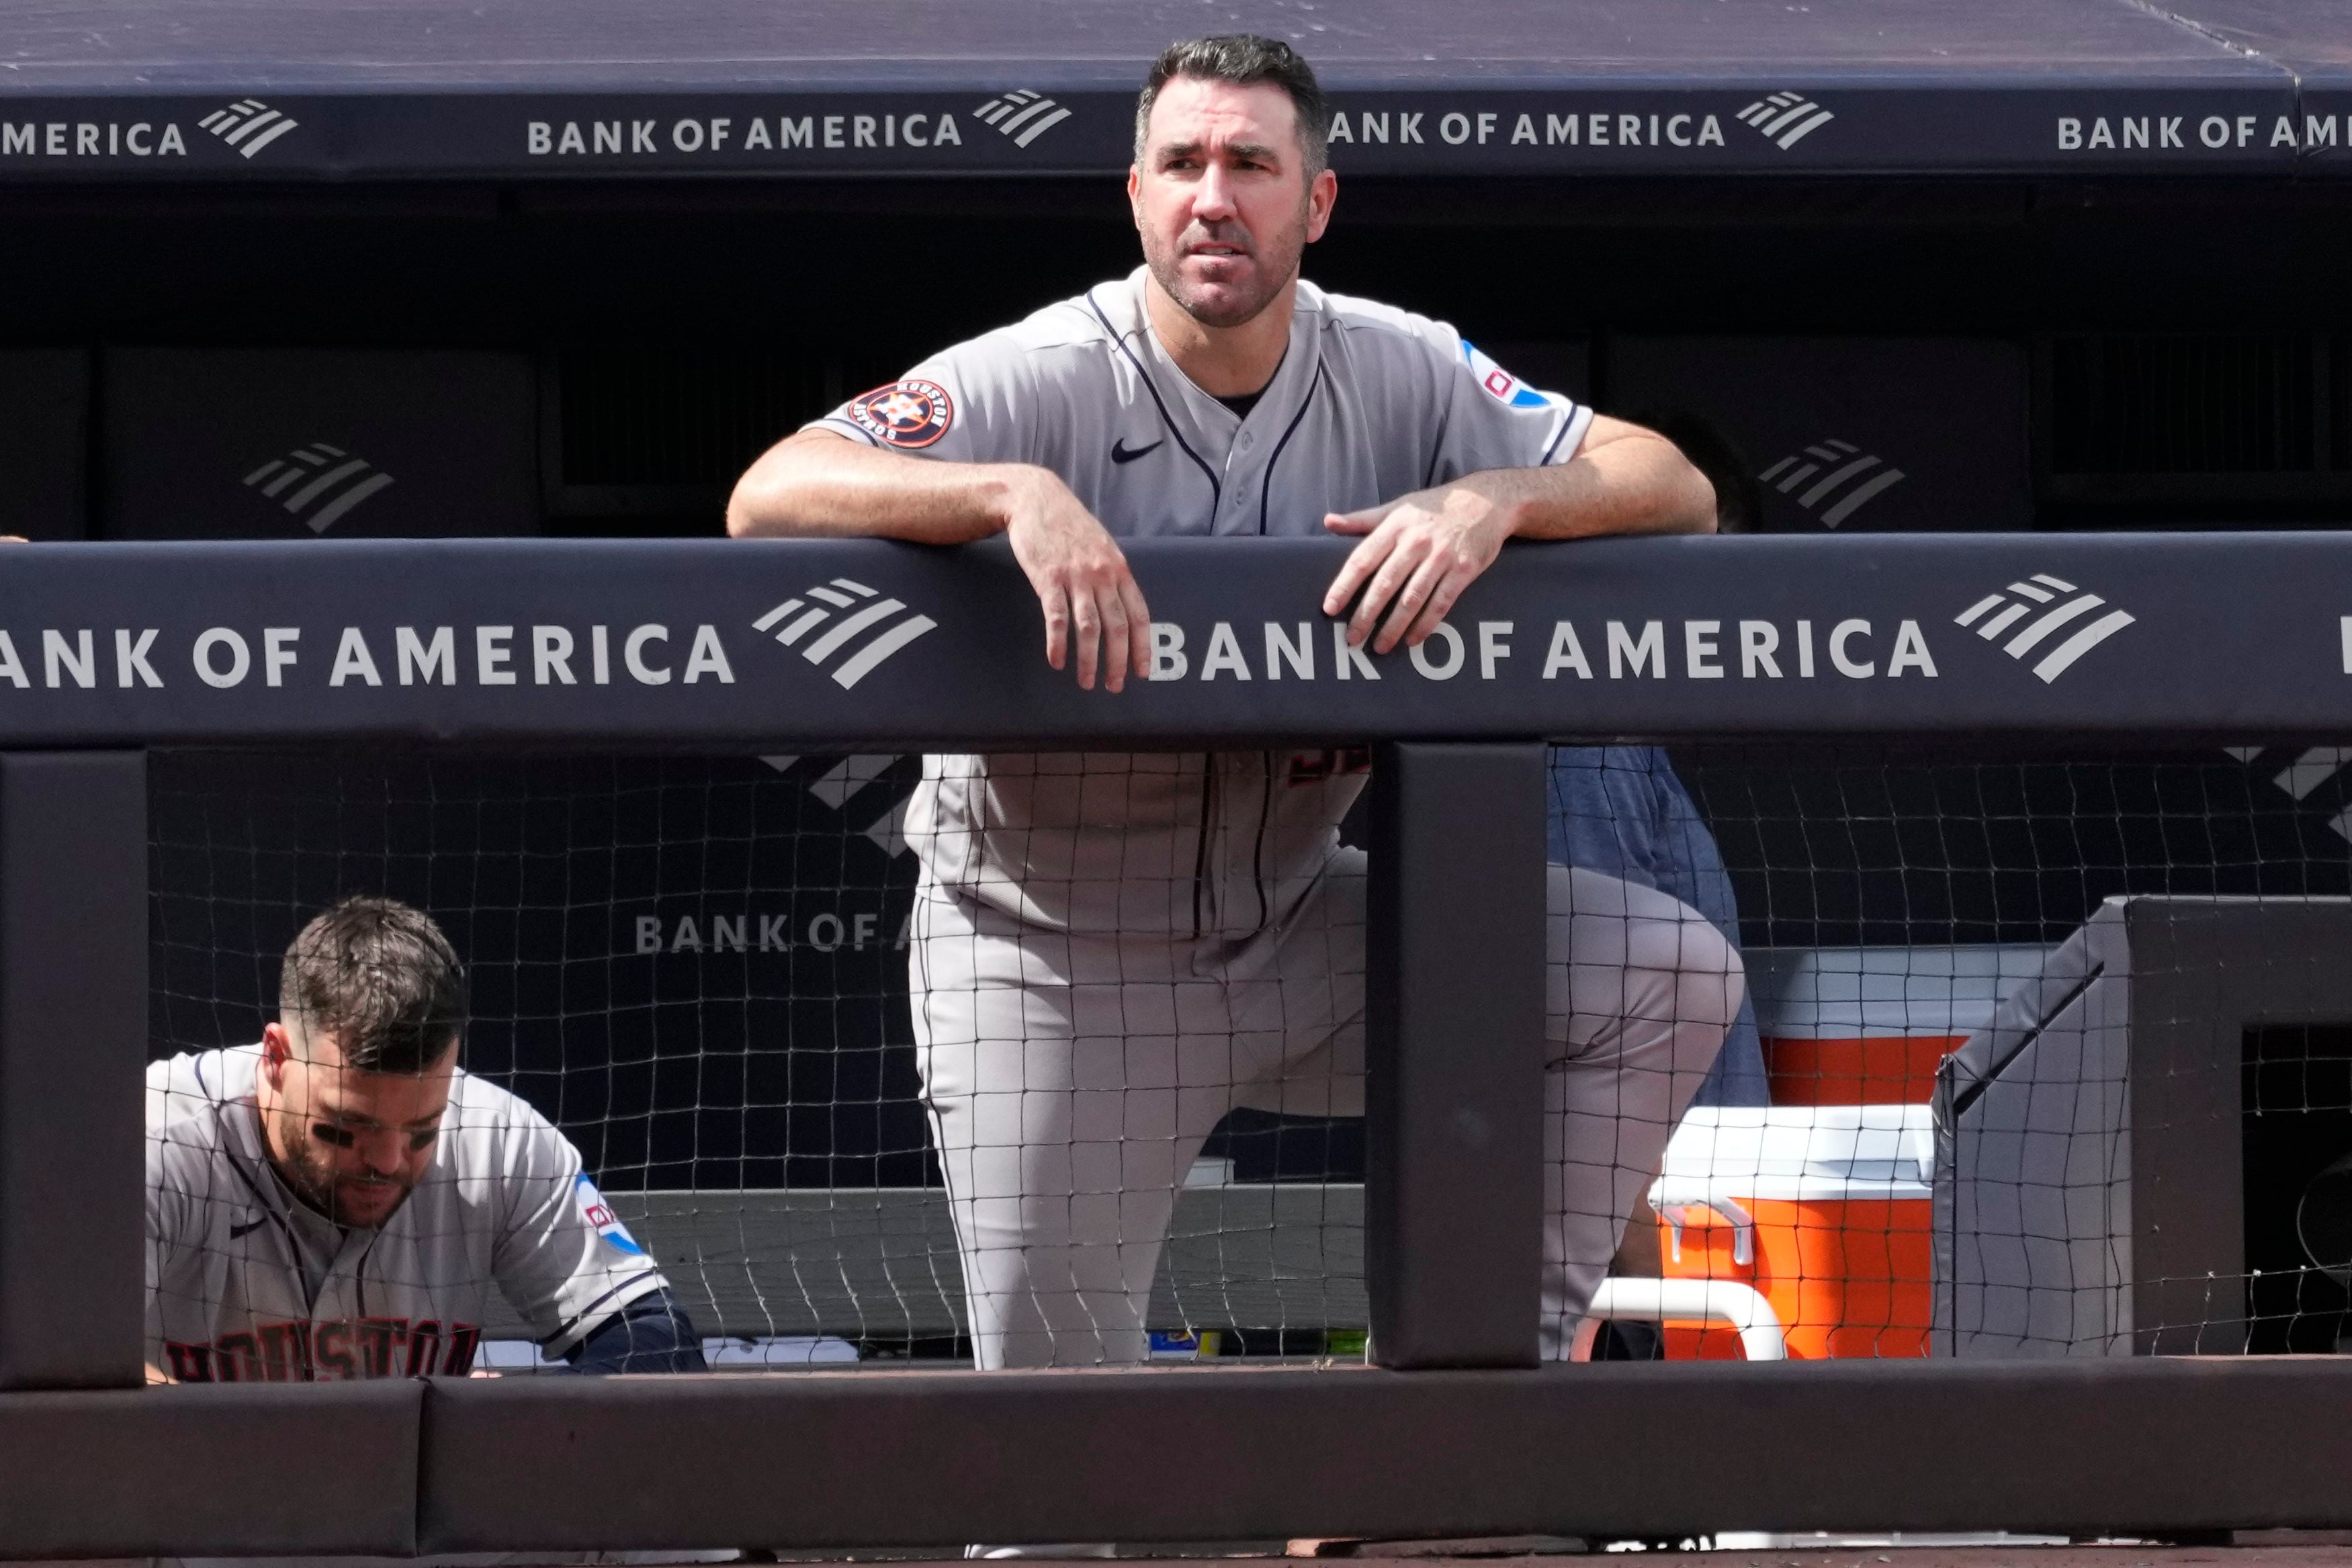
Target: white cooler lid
<point>1800,1152</point>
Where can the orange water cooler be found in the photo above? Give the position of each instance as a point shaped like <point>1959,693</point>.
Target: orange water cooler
<point>1822,1210</point>
<point>1821,1204</point>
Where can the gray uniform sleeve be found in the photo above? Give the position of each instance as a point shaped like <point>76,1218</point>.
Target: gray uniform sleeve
<point>978,401</point>
<point>174,1233</point>
<point>172,1093</point>
<point>563,1259</point>
<point>1490,419</point>
<point>191,1083</point>
<point>159,1224</point>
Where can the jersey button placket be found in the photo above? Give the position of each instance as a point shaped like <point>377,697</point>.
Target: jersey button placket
<point>1237,500</point>
<point>1236,486</point>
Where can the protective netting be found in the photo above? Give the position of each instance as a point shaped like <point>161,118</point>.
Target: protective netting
<point>2039,1031</point>
<point>697,970</point>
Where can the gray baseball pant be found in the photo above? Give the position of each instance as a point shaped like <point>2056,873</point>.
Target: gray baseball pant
<point>1071,1079</point>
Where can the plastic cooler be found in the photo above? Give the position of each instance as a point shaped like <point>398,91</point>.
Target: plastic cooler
<point>1823,1210</point>
<point>1869,1026</point>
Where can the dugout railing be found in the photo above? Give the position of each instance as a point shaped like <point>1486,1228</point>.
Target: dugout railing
<point>112,650</point>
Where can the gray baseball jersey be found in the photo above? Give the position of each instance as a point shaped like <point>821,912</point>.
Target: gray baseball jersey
<point>1371,402</point>
<point>244,1282</point>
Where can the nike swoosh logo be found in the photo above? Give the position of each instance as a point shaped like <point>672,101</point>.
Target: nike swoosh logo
<point>247,1228</point>
<point>1120,454</point>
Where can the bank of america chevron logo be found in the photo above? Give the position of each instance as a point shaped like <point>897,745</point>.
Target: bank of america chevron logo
<point>1786,117</point>
<point>320,475</point>
<point>249,125</point>
<point>2049,607</point>
<point>839,781</point>
<point>845,624</point>
<point>1846,463</point>
<point>2313,777</point>
<point>1021,114</point>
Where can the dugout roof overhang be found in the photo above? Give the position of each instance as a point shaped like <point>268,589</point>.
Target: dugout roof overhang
<point>278,90</point>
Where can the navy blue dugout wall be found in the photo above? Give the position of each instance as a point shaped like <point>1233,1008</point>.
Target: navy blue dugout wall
<point>44,442</point>
<point>305,443</point>
<point>1853,433</point>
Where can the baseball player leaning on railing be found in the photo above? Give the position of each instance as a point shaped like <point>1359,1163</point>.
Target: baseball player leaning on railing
<point>1111,950</point>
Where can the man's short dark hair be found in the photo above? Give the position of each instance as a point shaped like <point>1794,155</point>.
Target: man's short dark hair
<point>1245,59</point>
<point>380,977</point>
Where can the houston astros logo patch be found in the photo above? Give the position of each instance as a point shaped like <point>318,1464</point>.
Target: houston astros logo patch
<point>905,413</point>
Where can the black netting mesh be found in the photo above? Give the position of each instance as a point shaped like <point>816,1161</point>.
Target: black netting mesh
<point>697,970</point>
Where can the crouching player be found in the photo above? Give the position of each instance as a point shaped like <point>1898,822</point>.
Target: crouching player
<point>338,1201</point>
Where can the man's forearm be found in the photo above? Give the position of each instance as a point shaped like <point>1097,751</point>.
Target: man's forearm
<point>817,485</point>
<point>1638,483</point>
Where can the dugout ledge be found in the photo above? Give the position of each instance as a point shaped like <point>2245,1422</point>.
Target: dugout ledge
<point>869,1459</point>
<point>268,1471</point>
<point>858,1459</point>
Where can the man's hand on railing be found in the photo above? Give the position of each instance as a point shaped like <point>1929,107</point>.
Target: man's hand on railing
<point>1083,581</point>
<point>1420,552</point>
<point>817,485</point>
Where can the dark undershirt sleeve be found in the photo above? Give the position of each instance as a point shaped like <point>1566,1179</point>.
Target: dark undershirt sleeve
<point>652,1333</point>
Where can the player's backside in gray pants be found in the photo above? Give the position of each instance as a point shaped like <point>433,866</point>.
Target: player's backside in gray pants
<point>1071,1077</point>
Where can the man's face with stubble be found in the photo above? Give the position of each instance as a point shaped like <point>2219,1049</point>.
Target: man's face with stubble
<point>351,1145</point>
<point>1223,198</point>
